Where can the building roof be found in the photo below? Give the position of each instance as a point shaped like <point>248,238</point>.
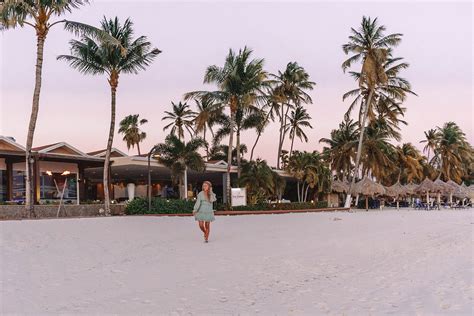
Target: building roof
<point>101,153</point>
<point>9,144</point>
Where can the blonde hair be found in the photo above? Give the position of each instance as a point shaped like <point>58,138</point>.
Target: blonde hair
<point>208,193</point>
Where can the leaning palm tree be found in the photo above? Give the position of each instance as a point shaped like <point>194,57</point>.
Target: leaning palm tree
<point>372,47</point>
<point>206,117</point>
<point>130,128</point>
<point>341,148</point>
<point>298,119</point>
<point>431,138</point>
<point>240,84</point>
<point>290,89</point>
<point>95,57</point>
<point>40,15</point>
<point>181,117</point>
<point>179,157</point>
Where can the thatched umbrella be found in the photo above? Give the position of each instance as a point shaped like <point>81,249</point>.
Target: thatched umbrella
<point>339,186</point>
<point>397,190</point>
<point>368,188</point>
<point>457,191</point>
<point>469,191</point>
<point>427,187</point>
<point>410,188</point>
<point>445,188</point>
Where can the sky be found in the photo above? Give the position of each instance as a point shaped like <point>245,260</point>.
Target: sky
<point>437,43</point>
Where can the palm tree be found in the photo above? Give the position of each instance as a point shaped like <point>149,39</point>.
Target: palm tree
<point>206,117</point>
<point>130,128</point>
<point>342,147</point>
<point>452,152</point>
<point>289,90</point>
<point>181,117</point>
<point>265,115</point>
<point>245,119</point>
<point>431,138</point>
<point>408,159</point>
<point>179,156</point>
<point>310,172</point>
<point>298,119</point>
<point>372,47</point>
<point>220,152</point>
<point>240,82</point>
<point>259,180</point>
<point>39,15</point>
<point>95,57</point>
<point>377,151</point>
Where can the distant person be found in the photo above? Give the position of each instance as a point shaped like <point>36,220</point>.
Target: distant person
<point>203,211</point>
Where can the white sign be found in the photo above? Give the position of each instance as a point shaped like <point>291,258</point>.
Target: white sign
<point>239,196</point>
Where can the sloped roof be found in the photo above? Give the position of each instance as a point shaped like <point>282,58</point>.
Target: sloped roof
<point>100,153</point>
<point>61,148</point>
<point>8,144</point>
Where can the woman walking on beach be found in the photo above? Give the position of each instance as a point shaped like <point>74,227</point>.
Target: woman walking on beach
<point>202,211</point>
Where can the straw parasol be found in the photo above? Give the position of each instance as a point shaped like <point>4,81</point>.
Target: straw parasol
<point>339,186</point>
<point>397,190</point>
<point>410,188</point>
<point>445,189</point>
<point>457,191</point>
<point>427,187</point>
<point>367,188</point>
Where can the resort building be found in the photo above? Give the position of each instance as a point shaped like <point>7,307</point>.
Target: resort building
<point>60,169</point>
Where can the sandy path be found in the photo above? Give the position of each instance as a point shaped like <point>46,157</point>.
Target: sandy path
<point>375,263</point>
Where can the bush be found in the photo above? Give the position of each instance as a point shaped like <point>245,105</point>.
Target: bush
<point>163,206</point>
<point>159,206</point>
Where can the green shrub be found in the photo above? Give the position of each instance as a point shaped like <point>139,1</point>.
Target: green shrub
<point>159,206</point>
<point>163,206</point>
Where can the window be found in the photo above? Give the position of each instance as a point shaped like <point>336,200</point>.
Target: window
<point>53,184</point>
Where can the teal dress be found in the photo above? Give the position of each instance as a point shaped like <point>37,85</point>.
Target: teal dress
<point>203,208</point>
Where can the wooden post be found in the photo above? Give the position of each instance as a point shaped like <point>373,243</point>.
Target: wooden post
<point>9,180</point>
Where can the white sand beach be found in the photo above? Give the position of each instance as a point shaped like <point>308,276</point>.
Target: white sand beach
<point>363,263</point>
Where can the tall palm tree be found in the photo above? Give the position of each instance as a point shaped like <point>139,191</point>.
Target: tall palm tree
<point>245,119</point>
<point>310,172</point>
<point>266,114</point>
<point>298,119</point>
<point>342,147</point>
<point>96,57</point>
<point>40,16</point>
<point>259,180</point>
<point>240,82</point>
<point>179,156</point>
<point>221,152</point>
<point>206,117</point>
<point>408,160</point>
<point>290,89</point>
<point>452,151</point>
<point>130,128</point>
<point>372,47</point>
<point>431,139</point>
<point>181,117</point>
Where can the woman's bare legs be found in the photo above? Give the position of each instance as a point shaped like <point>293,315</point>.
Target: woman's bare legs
<point>208,230</point>
<point>202,227</point>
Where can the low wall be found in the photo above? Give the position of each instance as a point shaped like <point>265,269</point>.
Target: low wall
<point>49,211</point>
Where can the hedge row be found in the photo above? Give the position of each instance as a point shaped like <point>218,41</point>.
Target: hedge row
<point>163,206</point>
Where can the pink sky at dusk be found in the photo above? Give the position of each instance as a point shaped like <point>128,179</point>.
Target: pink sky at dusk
<point>437,43</point>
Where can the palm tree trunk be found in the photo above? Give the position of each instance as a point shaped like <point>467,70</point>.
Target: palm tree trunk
<point>306,194</point>
<point>259,134</point>
<point>292,141</point>
<point>138,148</point>
<point>237,146</point>
<point>359,149</point>
<point>29,183</point>
<point>283,133</point>
<point>229,156</point>
<point>254,145</point>
<point>207,145</point>
<point>113,89</point>
<point>280,139</point>
<point>298,189</point>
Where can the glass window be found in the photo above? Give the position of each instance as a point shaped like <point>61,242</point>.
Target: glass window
<point>53,184</point>
<point>3,185</point>
<point>19,179</point>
